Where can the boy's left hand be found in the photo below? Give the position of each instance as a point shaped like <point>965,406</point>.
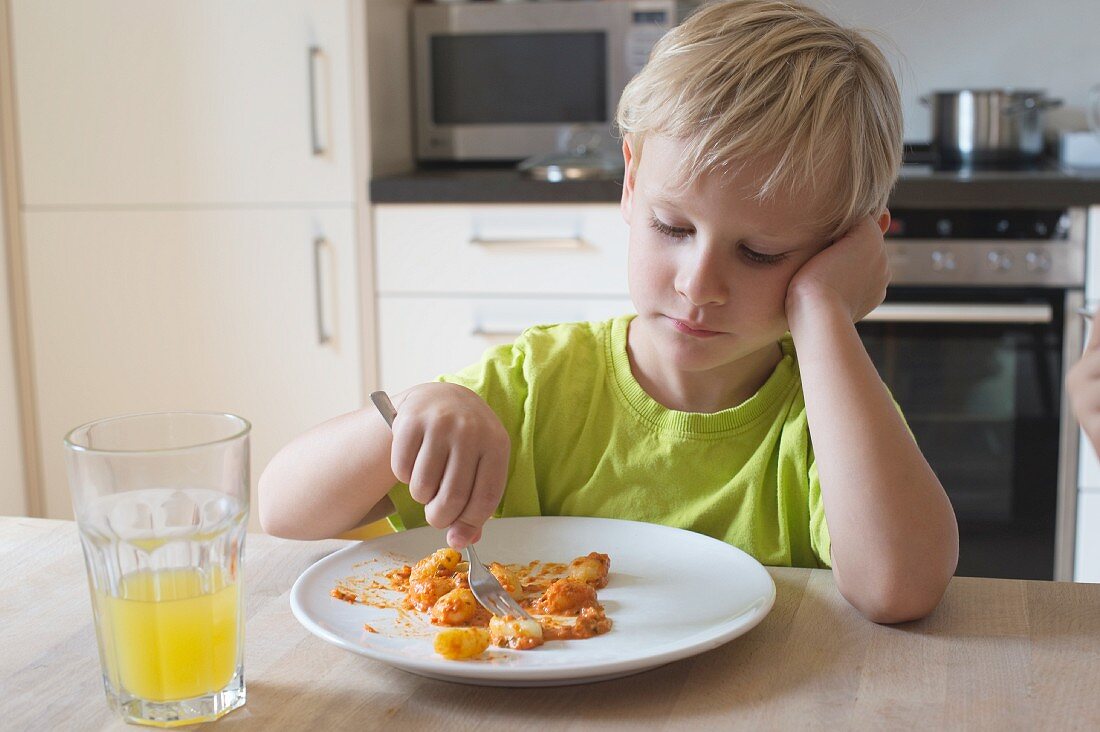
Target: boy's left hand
<point>850,274</point>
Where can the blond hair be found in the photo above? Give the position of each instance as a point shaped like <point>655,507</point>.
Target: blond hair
<point>768,80</point>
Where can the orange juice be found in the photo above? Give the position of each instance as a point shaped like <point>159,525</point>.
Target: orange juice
<point>170,634</point>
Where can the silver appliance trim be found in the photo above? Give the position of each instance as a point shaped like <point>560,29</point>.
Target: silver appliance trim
<point>993,262</point>
<point>960,313</point>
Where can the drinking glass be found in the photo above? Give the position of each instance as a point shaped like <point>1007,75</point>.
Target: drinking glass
<point>161,502</point>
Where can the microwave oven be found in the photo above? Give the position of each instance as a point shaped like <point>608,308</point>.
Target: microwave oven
<point>506,81</point>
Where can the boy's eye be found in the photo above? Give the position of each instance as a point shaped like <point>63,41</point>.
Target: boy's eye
<point>760,258</point>
<point>675,232</point>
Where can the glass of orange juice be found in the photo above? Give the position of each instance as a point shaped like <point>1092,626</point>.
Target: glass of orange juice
<point>161,501</point>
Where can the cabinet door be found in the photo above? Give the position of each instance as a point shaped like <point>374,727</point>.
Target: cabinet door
<point>420,338</point>
<point>250,312</point>
<point>124,102</point>
<point>1086,563</point>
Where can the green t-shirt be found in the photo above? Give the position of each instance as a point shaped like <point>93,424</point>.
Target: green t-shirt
<point>587,440</point>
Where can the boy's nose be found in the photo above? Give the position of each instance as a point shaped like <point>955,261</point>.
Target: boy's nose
<point>701,281</point>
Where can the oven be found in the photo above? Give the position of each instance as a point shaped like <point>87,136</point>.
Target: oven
<point>974,338</point>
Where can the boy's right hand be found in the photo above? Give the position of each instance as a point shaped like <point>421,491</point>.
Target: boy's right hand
<point>453,452</point>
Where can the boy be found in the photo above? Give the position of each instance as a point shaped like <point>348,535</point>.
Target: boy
<point>761,141</point>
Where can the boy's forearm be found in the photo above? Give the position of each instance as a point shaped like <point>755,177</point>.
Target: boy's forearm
<point>329,479</point>
<point>894,535</point>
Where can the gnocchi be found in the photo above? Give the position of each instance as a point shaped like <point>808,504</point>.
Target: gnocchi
<point>458,644</point>
<point>562,597</point>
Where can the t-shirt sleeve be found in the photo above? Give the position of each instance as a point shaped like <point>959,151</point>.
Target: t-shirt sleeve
<point>820,541</point>
<point>498,378</point>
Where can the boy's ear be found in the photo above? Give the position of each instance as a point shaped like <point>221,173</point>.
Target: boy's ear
<point>884,220</point>
<point>627,201</point>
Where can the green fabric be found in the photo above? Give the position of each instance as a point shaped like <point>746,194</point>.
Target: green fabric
<point>587,440</point>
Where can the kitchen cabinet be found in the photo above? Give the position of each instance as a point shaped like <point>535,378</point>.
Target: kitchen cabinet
<point>192,229</point>
<point>13,496</point>
<point>126,102</point>
<point>455,280</point>
<point>249,311</point>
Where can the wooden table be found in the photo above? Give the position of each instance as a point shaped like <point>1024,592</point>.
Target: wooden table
<point>997,654</point>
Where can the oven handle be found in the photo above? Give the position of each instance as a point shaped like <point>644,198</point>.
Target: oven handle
<point>961,313</point>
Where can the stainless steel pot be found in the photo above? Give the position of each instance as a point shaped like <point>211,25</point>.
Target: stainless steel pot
<point>988,126</point>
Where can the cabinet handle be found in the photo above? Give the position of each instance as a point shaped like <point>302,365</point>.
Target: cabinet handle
<point>484,332</point>
<point>575,242</point>
<point>324,336</point>
<point>319,148</point>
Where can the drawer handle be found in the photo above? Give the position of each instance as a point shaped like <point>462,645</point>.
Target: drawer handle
<point>573,243</point>
<point>481,331</point>
<point>319,148</point>
<point>324,335</point>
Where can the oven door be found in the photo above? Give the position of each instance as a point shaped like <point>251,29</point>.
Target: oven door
<point>978,375</point>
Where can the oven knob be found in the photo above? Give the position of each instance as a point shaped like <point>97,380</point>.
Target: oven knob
<point>1037,261</point>
<point>943,261</point>
<point>943,227</point>
<point>1000,261</point>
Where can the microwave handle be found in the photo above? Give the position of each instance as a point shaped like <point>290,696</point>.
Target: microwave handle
<point>960,313</point>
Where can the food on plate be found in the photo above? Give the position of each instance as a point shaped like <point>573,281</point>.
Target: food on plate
<point>566,596</point>
<point>591,569</point>
<point>458,644</point>
<point>562,597</point>
<point>458,607</point>
<point>519,633</point>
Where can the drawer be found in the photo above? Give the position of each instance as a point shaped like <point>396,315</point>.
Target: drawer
<point>420,338</point>
<point>501,249</point>
<point>1086,564</point>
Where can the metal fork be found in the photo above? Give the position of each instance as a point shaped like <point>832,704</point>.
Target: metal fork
<point>486,588</point>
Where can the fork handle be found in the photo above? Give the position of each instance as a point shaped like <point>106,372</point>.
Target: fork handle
<point>383,404</point>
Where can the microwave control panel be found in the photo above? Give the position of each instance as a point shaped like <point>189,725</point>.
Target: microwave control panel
<point>648,22</point>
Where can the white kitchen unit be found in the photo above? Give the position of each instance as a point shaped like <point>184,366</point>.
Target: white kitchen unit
<point>124,102</point>
<point>192,223</point>
<point>1086,561</point>
<point>455,280</point>
<point>251,312</point>
<point>13,494</point>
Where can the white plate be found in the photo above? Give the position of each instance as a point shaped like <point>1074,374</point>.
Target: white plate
<point>671,594</point>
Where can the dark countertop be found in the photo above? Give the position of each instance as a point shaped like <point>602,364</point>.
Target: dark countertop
<point>919,186</point>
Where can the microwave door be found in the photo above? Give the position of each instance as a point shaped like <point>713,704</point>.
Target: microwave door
<point>506,82</point>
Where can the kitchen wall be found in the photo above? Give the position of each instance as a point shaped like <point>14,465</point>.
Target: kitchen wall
<point>944,44</point>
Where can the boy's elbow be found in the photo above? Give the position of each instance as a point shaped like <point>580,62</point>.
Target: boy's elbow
<point>896,599</point>
<point>888,610</point>
<point>273,520</point>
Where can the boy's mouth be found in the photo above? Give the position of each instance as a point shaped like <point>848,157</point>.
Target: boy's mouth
<point>693,329</point>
